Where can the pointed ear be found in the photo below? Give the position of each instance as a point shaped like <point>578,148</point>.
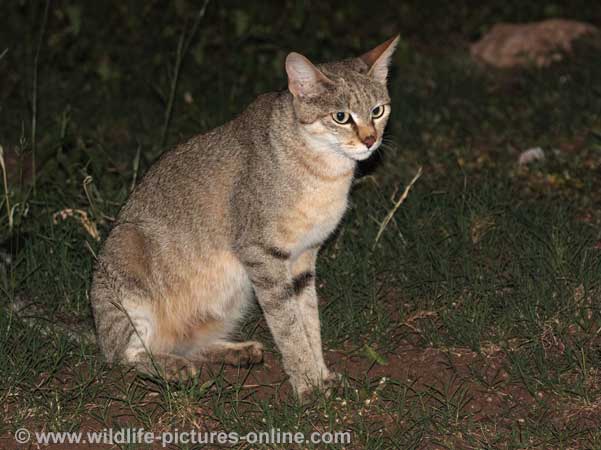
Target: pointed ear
<point>378,59</point>
<point>304,79</point>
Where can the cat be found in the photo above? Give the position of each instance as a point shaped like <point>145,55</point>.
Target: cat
<point>241,209</point>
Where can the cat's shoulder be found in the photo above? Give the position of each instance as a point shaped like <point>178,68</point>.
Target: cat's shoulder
<point>266,103</point>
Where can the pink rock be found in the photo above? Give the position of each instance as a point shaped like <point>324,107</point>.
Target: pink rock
<point>540,43</point>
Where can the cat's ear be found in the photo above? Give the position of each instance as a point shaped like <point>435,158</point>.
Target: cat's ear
<point>378,59</point>
<point>304,79</point>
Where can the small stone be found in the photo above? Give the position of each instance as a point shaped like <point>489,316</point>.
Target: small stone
<point>530,155</point>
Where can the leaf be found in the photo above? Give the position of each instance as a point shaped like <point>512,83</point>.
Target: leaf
<point>241,21</point>
<point>204,387</point>
<point>198,53</point>
<point>74,15</point>
<point>374,355</point>
<point>480,226</point>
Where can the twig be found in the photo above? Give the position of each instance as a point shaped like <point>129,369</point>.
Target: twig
<point>182,49</point>
<point>86,182</point>
<point>396,206</point>
<point>99,215</point>
<point>3,53</point>
<point>136,166</point>
<point>91,250</point>
<point>6,195</point>
<point>34,100</point>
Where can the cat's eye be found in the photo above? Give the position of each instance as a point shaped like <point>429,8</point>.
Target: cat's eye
<point>377,112</point>
<point>341,117</point>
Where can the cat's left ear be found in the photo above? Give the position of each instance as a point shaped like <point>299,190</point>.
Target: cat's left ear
<point>378,59</point>
<point>304,79</point>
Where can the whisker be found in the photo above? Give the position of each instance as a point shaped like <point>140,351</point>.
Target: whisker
<point>388,147</point>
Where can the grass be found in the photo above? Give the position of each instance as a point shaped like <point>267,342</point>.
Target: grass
<point>473,322</point>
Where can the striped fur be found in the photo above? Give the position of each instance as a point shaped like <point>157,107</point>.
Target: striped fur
<point>239,210</point>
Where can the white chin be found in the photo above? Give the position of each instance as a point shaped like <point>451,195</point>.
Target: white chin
<point>361,156</point>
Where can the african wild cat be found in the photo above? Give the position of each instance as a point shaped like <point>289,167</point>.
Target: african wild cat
<point>242,208</point>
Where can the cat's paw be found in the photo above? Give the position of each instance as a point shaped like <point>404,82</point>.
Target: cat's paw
<point>331,379</point>
<point>169,368</point>
<point>244,354</point>
<point>306,391</point>
<point>255,352</point>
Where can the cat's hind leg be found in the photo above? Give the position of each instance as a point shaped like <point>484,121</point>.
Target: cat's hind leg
<point>147,352</point>
<point>181,353</point>
<point>171,323</point>
<point>126,331</point>
<point>121,297</point>
<point>153,353</point>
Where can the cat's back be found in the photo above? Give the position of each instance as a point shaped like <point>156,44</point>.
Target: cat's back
<point>200,174</point>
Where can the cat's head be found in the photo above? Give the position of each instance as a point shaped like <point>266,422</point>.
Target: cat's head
<point>342,106</point>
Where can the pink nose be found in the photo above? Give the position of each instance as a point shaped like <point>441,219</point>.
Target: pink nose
<point>369,141</point>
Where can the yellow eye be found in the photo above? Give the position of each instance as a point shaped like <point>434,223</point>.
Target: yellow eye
<point>377,112</point>
<point>341,117</point>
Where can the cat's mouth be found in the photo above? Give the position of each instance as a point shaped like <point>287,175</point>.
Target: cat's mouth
<point>360,153</point>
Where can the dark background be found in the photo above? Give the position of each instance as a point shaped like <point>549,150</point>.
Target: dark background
<point>472,323</point>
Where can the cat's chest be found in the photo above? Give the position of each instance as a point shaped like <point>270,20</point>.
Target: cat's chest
<point>313,215</point>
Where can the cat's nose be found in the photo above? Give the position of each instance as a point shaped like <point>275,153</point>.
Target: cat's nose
<point>369,140</point>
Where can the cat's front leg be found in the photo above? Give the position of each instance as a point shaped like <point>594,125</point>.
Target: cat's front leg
<point>268,269</point>
<point>303,273</point>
